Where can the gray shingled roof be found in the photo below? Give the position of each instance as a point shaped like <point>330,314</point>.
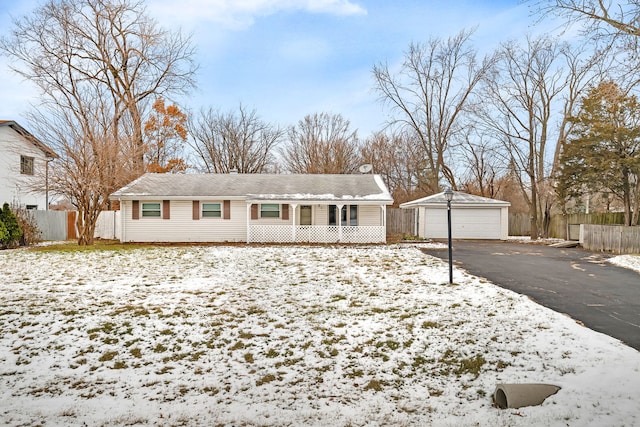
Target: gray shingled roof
<point>459,198</point>
<point>256,187</point>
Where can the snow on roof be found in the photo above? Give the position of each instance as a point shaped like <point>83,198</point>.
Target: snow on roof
<point>459,198</point>
<point>327,187</point>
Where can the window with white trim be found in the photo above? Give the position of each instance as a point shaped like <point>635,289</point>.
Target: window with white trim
<point>151,210</point>
<point>211,210</point>
<point>26,165</point>
<point>269,210</point>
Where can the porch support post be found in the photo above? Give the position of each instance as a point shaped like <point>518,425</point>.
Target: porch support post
<point>248,222</point>
<point>293,222</point>
<point>384,223</point>
<point>339,221</point>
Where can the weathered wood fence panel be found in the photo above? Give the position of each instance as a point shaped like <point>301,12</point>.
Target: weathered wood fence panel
<point>618,239</point>
<point>562,226</point>
<point>401,221</point>
<point>519,224</point>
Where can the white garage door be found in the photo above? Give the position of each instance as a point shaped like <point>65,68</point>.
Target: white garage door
<point>466,223</point>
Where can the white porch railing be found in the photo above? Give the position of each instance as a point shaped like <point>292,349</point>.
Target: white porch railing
<point>316,234</point>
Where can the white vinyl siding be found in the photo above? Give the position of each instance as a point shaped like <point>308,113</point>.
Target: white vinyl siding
<point>15,186</point>
<point>369,216</point>
<point>182,228</point>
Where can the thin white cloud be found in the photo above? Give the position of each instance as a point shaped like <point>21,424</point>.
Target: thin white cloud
<point>240,14</point>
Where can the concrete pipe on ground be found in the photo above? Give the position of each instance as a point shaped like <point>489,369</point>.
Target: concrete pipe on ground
<point>519,395</point>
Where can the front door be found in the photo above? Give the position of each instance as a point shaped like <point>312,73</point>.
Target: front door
<point>305,215</point>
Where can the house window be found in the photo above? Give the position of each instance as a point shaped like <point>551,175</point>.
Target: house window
<point>269,210</point>
<point>32,207</point>
<point>352,210</point>
<point>151,210</point>
<point>26,165</point>
<point>211,210</point>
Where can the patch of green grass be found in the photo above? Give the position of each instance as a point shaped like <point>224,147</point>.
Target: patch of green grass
<point>165,369</point>
<point>119,364</point>
<point>159,348</point>
<point>237,346</point>
<point>430,324</point>
<point>266,379</point>
<point>98,245</point>
<point>471,366</point>
<point>337,297</point>
<point>373,384</point>
<point>109,355</point>
<point>271,353</point>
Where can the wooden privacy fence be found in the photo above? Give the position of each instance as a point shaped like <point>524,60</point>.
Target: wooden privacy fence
<point>401,221</point>
<point>618,239</point>
<point>562,226</point>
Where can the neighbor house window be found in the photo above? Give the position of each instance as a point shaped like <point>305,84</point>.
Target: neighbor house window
<point>26,165</point>
<point>211,210</point>
<point>269,210</point>
<point>351,210</point>
<point>151,210</point>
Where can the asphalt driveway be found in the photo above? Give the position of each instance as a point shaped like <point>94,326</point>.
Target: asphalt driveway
<point>579,283</point>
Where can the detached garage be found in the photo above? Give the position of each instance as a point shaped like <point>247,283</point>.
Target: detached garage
<point>472,217</point>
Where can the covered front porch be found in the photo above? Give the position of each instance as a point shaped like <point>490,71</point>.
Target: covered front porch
<point>317,223</point>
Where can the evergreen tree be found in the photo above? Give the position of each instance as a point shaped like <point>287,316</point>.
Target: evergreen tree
<point>13,230</point>
<point>603,152</point>
<point>3,232</point>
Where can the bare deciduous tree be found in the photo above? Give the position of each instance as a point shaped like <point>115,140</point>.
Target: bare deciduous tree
<point>525,95</point>
<point>397,158</point>
<point>96,62</point>
<point>241,142</point>
<point>91,164</point>
<point>67,43</point>
<point>321,143</point>
<point>483,164</point>
<point>611,17</point>
<point>430,92</point>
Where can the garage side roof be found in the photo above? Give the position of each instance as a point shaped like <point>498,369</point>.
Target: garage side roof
<point>327,188</point>
<point>459,199</point>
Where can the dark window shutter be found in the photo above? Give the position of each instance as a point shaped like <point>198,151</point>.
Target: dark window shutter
<point>166,209</point>
<point>227,209</point>
<point>135,209</point>
<point>285,212</point>
<point>254,211</point>
<point>196,209</point>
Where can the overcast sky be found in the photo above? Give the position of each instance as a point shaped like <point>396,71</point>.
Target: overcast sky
<point>289,58</point>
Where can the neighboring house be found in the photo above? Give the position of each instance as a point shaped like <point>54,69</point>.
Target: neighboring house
<point>23,167</point>
<point>254,208</point>
<point>472,217</point>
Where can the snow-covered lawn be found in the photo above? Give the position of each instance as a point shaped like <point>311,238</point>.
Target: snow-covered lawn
<point>289,336</point>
